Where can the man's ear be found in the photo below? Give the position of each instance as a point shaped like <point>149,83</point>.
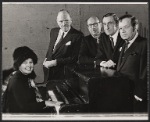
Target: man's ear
<point>57,21</point>
<point>101,26</point>
<point>136,27</point>
<point>71,21</point>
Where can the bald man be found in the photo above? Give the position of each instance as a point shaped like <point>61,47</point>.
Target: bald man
<point>89,45</point>
<point>63,48</point>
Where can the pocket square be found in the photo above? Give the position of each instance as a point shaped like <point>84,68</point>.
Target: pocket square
<point>68,43</point>
<point>120,49</point>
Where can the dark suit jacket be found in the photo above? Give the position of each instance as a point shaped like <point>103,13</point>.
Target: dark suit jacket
<point>88,50</point>
<point>65,54</point>
<point>20,97</point>
<point>105,49</point>
<point>134,65</point>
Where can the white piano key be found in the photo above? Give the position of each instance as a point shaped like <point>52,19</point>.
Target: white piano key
<point>52,95</point>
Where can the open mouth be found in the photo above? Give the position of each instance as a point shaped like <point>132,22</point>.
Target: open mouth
<point>28,69</point>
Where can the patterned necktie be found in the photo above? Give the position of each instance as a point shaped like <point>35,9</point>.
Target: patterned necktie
<point>112,42</point>
<point>125,47</point>
<point>97,40</point>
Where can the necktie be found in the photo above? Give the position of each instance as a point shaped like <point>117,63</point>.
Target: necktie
<point>97,40</point>
<point>125,47</point>
<point>112,42</point>
<point>60,39</point>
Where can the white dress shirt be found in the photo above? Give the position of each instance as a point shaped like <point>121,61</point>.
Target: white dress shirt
<point>131,41</point>
<point>115,37</point>
<point>59,36</point>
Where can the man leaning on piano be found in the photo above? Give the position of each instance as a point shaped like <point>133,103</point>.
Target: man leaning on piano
<point>102,72</point>
<point>109,51</point>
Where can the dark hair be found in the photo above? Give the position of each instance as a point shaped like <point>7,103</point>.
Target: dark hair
<point>21,54</point>
<point>134,21</point>
<point>116,19</point>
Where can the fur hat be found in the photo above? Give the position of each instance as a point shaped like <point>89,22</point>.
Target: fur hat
<point>21,54</point>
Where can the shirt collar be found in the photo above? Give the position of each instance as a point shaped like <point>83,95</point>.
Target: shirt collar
<point>96,37</point>
<point>65,33</point>
<point>115,37</point>
<point>136,35</point>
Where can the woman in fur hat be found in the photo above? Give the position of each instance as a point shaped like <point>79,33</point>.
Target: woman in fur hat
<point>21,97</point>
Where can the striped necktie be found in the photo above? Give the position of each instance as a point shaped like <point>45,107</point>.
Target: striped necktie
<point>112,42</point>
<point>125,47</point>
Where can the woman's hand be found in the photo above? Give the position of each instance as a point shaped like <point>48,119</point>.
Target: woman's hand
<point>52,103</point>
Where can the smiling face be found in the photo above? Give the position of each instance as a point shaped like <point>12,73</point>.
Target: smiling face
<point>27,66</point>
<point>110,26</point>
<point>94,26</point>
<point>64,21</point>
<point>127,31</point>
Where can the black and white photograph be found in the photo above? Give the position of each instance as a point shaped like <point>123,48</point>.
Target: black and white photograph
<point>75,61</point>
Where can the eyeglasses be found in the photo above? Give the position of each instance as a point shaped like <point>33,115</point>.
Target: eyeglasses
<point>94,24</point>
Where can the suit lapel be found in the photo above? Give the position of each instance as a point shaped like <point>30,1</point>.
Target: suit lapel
<point>54,39</point>
<point>120,57</point>
<point>107,46</point>
<point>65,40</point>
<point>127,53</point>
<point>52,42</point>
<point>119,41</point>
<point>117,46</point>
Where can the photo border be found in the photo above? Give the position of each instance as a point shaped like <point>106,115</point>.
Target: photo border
<point>57,118</point>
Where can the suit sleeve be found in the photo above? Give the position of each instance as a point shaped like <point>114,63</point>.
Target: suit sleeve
<point>100,53</point>
<point>48,51</point>
<point>141,88</point>
<point>83,54</point>
<point>74,52</point>
<point>21,94</point>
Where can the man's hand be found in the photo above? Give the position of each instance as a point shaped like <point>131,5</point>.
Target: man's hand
<point>138,98</point>
<point>109,72</point>
<point>49,64</point>
<point>107,64</point>
<point>44,61</point>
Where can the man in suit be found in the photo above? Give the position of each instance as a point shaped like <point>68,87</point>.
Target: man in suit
<point>88,50</point>
<point>133,60</point>
<point>63,48</point>
<point>110,42</point>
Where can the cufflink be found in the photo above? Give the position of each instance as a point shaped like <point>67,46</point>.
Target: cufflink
<point>120,49</point>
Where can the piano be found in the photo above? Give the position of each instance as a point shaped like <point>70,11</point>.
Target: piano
<point>88,89</point>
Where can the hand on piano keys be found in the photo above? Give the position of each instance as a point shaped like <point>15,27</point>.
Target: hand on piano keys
<point>52,103</point>
<point>54,99</point>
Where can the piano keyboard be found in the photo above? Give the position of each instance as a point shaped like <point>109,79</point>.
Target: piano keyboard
<point>64,93</point>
